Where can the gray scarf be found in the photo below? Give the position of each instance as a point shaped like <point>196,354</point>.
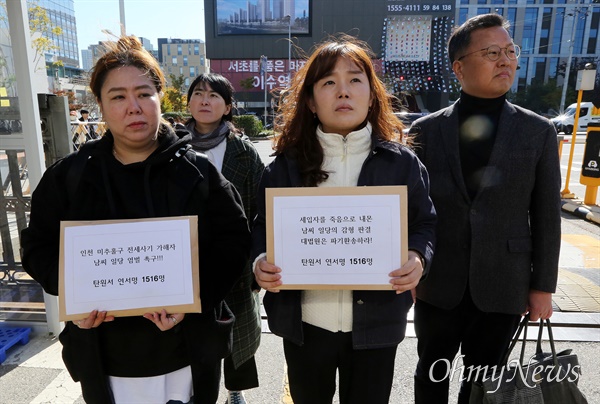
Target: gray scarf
<point>204,142</point>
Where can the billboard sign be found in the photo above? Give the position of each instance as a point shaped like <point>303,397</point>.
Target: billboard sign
<point>263,17</point>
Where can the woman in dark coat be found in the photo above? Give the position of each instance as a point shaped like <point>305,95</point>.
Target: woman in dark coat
<point>141,168</point>
<point>210,101</point>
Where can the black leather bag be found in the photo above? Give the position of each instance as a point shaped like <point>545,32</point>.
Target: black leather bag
<point>546,378</point>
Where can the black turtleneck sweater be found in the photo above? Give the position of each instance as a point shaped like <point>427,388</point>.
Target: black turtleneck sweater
<point>478,120</point>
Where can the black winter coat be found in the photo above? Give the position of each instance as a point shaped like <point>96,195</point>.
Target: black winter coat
<point>166,184</point>
<point>379,317</point>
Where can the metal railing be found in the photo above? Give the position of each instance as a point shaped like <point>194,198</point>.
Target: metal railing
<point>81,132</point>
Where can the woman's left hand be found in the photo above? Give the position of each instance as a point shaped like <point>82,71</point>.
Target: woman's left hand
<point>409,275</point>
<point>163,320</point>
<point>95,319</point>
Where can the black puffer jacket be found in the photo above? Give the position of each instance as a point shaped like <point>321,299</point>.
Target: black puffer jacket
<point>166,184</point>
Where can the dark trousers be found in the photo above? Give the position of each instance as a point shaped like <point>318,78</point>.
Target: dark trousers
<point>243,378</point>
<point>365,375</point>
<point>482,338</point>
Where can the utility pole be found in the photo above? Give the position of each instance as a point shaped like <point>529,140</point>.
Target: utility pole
<point>122,16</point>
<point>575,15</point>
<point>263,73</point>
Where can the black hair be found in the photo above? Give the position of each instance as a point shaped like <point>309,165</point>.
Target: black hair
<point>461,36</point>
<point>218,84</point>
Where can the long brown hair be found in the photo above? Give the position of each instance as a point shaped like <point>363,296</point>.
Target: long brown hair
<point>297,125</point>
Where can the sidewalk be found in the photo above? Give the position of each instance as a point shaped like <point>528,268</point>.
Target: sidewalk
<point>34,373</point>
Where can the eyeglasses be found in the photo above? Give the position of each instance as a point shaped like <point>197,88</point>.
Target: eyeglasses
<point>493,52</point>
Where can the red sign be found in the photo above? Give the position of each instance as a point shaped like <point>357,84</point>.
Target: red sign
<point>276,75</point>
<point>238,70</point>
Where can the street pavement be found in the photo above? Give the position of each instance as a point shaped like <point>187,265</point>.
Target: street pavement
<point>34,372</point>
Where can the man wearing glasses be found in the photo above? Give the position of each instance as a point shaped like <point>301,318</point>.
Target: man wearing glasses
<point>495,184</point>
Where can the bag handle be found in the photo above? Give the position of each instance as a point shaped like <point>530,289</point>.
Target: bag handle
<point>538,350</point>
<point>522,327</point>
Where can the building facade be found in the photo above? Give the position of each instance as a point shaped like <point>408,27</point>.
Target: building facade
<point>182,57</point>
<point>407,37</point>
<point>61,13</point>
<point>548,31</point>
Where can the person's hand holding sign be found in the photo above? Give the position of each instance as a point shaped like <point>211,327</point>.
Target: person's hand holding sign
<point>163,320</point>
<point>267,275</point>
<point>409,275</point>
<point>93,320</point>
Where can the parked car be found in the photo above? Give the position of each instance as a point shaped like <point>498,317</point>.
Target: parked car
<point>587,113</point>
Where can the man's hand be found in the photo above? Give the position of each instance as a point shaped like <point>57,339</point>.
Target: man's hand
<point>539,305</point>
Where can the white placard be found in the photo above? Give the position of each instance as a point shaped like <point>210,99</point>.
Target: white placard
<point>129,265</point>
<point>338,240</point>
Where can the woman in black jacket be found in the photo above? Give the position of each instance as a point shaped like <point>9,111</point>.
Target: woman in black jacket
<point>141,168</point>
<point>338,130</point>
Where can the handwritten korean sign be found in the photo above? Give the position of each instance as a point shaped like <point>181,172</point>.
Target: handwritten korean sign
<point>337,238</point>
<point>129,267</point>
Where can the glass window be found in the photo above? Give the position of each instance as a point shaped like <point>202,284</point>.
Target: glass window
<point>462,15</point>
<point>497,2</point>
<point>593,34</point>
<point>545,33</point>
<point>529,26</point>
<point>464,1</point>
<point>174,60</point>
<point>483,11</point>
<point>553,68</point>
<point>196,49</point>
<point>522,82</point>
<point>559,21</point>
<point>581,22</point>
<point>179,49</point>
<point>510,16</point>
<point>539,69</point>
<point>481,1</point>
<point>192,71</point>
<point>185,60</point>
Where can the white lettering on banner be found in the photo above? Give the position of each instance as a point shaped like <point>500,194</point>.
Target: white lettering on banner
<point>233,65</point>
<point>253,66</point>
<point>272,81</point>
<point>279,66</point>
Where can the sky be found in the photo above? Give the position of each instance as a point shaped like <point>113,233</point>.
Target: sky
<point>150,19</point>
